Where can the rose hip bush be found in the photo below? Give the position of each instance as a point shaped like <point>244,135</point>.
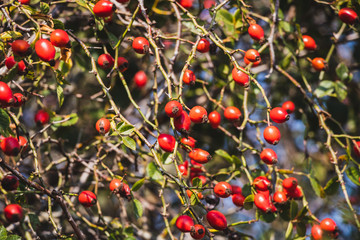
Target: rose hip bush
<point>181,119</point>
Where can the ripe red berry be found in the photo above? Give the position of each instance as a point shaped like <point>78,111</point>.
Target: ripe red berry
<point>289,106</point>
<point>123,64</point>
<point>10,182</point>
<point>294,193</point>
<point>59,38</point>
<point>87,198</point>
<point>236,189</point>
<point>186,3</point>
<point>317,232</point>
<point>252,55</point>
<point>309,42</point>
<point>105,61</point>
<point>42,117</point>
<point>197,231</point>
<point>173,109</point>
<point>214,119</point>
<point>182,123</point>
<point>256,32</point>
<point>200,155</point>
<point>328,225</point>
<point>272,135</point>
<point>262,202</point>
<point>120,187</point>
<point>140,45</point>
<point>20,48</point>
<point>319,64</point>
<point>13,213</point>
<point>268,156</point>
<point>23,143</point>
<point>6,95</point>
<point>184,223</point>
<point>103,8</point>
<point>280,197</point>
<point>10,63</point>
<point>24,2</point>
<point>190,193</point>
<point>166,142</point>
<point>209,3</point>
<point>223,189</point>
<point>115,184</point>
<point>279,115</point>
<point>196,167</point>
<point>238,199</point>
<point>203,46</point>
<point>290,183</point>
<point>45,50</point>
<point>216,219</point>
<point>10,146</point>
<point>348,15</point>
<point>198,114</point>
<point>183,168</point>
<point>357,148</point>
<point>102,126</point>
<point>140,79</point>
<point>240,77</point>
<point>247,62</point>
<point>189,77</point>
<point>19,99</point>
<point>189,141</point>
<point>232,113</point>
<point>262,183</point>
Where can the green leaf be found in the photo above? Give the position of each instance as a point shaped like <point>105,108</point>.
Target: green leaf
<point>268,217</point>
<point>10,35</point>
<point>153,172</point>
<point>293,209</point>
<point>196,182</point>
<point>5,130</point>
<point>289,231</point>
<point>225,155</point>
<point>248,202</point>
<point>342,71</point>
<point>317,187</point>
<point>166,158</point>
<point>325,88</point>
<point>58,24</point>
<point>137,185</point>
<point>10,75</point>
<point>353,174</point>
<point>191,27</point>
<point>340,90</point>
<point>126,129</point>
<point>112,38</point>
<point>129,142</point>
<point>332,186</point>
<point>3,232</point>
<point>238,19</point>
<point>34,220</point>
<point>224,16</point>
<point>301,229</point>
<point>285,26</point>
<point>60,94</point>
<point>44,8</point>
<point>137,207</point>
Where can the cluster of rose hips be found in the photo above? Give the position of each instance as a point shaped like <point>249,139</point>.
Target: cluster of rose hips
<point>348,16</point>
<point>326,230</point>
<point>13,212</point>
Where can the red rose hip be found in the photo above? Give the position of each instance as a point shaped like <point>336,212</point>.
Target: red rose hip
<point>279,115</point>
<point>272,135</point>
<point>216,220</point>
<point>13,213</point>
<point>166,142</point>
<point>184,223</point>
<point>87,198</point>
